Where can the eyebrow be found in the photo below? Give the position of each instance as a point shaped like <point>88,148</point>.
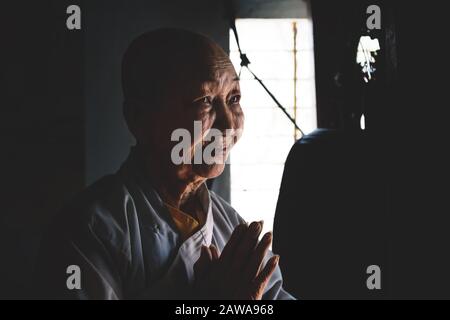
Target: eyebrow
<point>214,80</point>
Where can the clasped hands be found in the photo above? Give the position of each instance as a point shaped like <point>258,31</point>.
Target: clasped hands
<point>238,272</point>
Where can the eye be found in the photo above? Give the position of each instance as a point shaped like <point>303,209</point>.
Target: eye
<point>235,99</point>
<point>206,100</point>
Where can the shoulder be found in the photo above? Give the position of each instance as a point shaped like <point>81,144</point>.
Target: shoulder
<point>91,231</point>
<point>102,209</point>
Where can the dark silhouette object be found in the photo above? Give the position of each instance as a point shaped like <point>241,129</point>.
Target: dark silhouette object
<point>329,217</point>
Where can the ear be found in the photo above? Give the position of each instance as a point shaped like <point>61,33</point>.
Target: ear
<point>138,119</point>
<point>131,117</point>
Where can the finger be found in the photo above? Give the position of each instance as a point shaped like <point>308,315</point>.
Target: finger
<point>214,252</point>
<point>246,246</point>
<point>255,263</point>
<point>264,276</point>
<point>230,247</point>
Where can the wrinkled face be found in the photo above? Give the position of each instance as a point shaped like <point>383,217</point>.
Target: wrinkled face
<point>213,97</point>
<point>206,90</point>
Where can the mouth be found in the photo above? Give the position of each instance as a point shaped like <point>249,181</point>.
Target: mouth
<point>217,150</point>
<point>227,144</point>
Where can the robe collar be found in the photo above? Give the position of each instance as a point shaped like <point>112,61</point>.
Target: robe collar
<point>134,167</point>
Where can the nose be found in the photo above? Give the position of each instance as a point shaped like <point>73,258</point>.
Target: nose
<point>224,116</point>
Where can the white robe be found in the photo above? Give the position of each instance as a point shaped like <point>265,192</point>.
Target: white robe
<point>121,236</point>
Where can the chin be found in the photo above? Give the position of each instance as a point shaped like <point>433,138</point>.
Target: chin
<point>209,171</point>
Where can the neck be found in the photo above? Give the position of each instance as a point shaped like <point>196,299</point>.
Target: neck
<point>176,185</point>
<point>178,193</point>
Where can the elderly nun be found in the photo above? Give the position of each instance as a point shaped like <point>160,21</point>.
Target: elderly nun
<point>153,230</point>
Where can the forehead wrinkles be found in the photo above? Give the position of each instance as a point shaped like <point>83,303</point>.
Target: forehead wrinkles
<point>209,72</point>
<point>219,79</point>
<point>219,63</point>
<point>219,71</point>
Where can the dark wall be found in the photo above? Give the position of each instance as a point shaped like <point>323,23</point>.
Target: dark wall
<point>42,129</point>
<point>419,216</point>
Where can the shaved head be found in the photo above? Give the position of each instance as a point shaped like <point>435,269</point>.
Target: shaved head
<point>172,78</point>
<point>157,59</point>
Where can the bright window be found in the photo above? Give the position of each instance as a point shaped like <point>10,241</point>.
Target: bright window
<point>281,54</point>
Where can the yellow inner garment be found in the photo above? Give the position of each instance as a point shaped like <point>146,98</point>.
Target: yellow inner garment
<point>186,224</point>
